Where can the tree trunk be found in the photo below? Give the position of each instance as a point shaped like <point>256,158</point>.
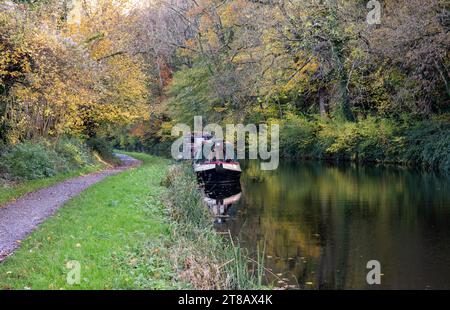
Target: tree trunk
<point>343,82</point>
<point>322,104</point>
<point>345,102</point>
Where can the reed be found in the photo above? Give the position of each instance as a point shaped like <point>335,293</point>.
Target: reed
<point>212,261</point>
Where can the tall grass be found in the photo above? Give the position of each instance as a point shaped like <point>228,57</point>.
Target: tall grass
<point>207,259</point>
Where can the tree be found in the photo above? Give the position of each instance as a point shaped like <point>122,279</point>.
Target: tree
<point>62,78</point>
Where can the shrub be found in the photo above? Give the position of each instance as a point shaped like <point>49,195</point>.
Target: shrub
<point>339,139</point>
<point>161,148</point>
<point>30,161</point>
<point>428,143</point>
<point>378,140</point>
<point>75,153</point>
<point>34,160</point>
<point>297,138</point>
<point>425,143</point>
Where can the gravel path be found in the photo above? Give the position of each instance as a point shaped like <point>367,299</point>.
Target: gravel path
<point>19,218</point>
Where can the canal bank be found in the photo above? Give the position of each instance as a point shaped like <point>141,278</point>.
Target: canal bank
<point>120,234</point>
<point>213,260</point>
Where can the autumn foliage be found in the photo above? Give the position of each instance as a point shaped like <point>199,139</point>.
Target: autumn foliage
<point>66,78</point>
<point>129,70</point>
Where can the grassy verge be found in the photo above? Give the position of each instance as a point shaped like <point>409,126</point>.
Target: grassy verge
<point>9,192</point>
<point>124,236</point>
<point>104,229</point>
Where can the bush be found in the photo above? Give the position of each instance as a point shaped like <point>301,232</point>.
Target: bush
<point>298,137</point>
<point>378,140</point>
<point>428,143</point>
<point>425,143</point>
<point>338,140</point>
<point>75,153</point>
<point>30,161</point>
<point>35,160</point>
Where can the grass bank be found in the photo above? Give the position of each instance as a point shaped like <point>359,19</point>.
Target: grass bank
<point>124,236</point>
<point>204,258</point>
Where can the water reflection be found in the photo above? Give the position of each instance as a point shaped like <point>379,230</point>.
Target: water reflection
<point>323,223</point>
<point>220,198</point>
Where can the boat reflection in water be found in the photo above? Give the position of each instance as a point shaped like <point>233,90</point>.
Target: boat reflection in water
<point>221,199</point>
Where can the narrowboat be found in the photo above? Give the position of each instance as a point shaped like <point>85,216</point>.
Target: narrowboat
<point>215,162</point>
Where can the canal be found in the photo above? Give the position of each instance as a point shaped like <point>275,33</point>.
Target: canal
<point>320,224</point>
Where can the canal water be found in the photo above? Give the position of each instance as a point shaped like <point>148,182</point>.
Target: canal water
<point>320,224</point>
